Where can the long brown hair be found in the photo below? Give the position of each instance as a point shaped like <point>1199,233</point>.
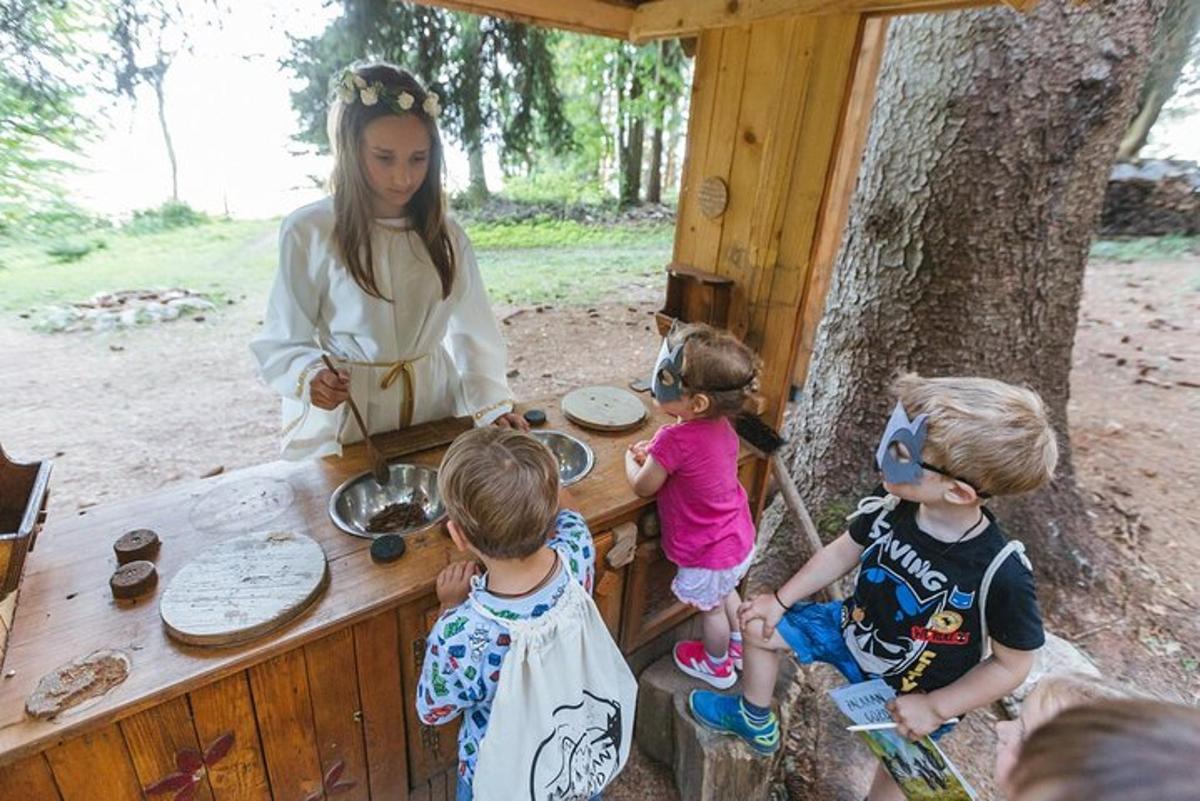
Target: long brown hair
<point>1115,750</point>
<point>352,207</point>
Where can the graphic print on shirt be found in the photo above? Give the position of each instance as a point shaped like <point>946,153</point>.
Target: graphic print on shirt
<point>577,759</point>
<point>910,596</point>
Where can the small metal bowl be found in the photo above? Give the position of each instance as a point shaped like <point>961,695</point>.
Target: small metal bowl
<point>575,458</point>
<point>358,500</point>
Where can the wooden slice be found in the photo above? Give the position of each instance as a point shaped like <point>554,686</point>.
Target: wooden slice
<point>79,680</point>
<point>141,543</point>
<point>243,588</point>
<point>133,579</point>
<point>714,196</point>
<point>603,408</point>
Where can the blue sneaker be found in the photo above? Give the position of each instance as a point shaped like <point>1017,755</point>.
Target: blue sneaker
<point>723,713</point>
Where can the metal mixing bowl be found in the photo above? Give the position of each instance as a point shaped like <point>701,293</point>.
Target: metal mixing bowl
<point>575,458</point>
<point>358,500</point>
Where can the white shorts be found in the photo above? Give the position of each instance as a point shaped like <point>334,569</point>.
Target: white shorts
<point>705,588</point>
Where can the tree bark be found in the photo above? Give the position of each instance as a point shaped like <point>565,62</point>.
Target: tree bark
<point>983,176</point>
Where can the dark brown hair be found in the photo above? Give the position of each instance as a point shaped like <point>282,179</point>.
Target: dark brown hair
<point>1113,750</point>
<point>501,488</point>
<point>353,215</point>
<point>716,364</point>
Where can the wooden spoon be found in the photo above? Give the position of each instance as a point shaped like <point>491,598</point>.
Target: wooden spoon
<point>379,465</point>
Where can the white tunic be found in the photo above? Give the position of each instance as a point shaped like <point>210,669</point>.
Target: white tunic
<point>457,354</point>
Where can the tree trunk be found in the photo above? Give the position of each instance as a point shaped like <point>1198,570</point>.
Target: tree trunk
<point>654,173</point>
<point>654,180</point>
<point>983,176</point>
<point>1172,48</point>
<point>472,113</point>
<point>477,188</point>
<point>157,82</point>
<point>631,147</point>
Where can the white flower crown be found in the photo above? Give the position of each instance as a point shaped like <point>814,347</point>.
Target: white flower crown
<point>353,86</point>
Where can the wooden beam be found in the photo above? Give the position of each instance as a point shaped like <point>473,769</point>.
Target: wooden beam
<point>768,107</point>
<point>835,208</point>
<point>582,16</point>
<point>662,19</point>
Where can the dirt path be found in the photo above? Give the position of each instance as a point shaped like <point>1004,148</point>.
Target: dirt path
<point>129,412</point>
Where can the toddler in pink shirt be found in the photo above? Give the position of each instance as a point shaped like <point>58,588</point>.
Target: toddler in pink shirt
<point>703,377</point>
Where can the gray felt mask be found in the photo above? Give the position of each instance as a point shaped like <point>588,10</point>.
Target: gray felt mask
<point>666,384</point>
<point>896,468</point>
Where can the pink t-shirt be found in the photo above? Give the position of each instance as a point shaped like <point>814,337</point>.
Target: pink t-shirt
<point>701,506</point>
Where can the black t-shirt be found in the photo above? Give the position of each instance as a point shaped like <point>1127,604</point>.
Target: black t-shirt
<point>914,618</point>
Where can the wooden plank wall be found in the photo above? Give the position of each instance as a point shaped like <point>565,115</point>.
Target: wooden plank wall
<point>769,108</point>
<point>326,721</point>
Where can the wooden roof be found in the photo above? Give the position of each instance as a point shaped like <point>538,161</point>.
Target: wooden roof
<point>643,20</point>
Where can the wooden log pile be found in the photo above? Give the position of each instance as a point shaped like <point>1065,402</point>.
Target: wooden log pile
<point>1152,198</point>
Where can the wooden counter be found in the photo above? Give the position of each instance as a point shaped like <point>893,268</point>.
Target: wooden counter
<point>331,693</point>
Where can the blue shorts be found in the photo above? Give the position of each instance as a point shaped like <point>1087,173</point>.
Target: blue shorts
<point>814,633</point>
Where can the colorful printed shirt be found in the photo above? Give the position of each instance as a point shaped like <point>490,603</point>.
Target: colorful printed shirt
<point>464,651</point>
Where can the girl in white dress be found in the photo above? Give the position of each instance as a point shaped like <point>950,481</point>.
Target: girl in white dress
<point>382,281</point>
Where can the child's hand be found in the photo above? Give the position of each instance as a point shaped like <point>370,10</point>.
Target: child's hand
<point>915,715</point>
<point>330,390</point>
<point>638,449</point>
<point>761,607</point>
<point>454,583</point>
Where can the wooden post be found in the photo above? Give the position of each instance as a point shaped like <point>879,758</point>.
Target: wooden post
<point>776,109</point>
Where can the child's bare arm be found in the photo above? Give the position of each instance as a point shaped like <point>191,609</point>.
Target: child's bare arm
<point>825,567</point>
<point>644,478</point>
<point>918,714</point>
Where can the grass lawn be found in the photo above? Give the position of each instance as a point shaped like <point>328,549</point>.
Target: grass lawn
<point>563,262</point>
<point>1146,248</point>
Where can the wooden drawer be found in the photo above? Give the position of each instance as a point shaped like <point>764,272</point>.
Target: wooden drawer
<point>609,588</point>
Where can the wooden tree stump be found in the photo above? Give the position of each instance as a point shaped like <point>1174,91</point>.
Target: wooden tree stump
<point>708,766</point>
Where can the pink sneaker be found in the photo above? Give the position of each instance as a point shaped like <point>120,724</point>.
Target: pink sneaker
<point>735,653</point>
<point>691,658</point>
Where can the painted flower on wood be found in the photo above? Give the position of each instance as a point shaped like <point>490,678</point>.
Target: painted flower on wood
<point>192,765</point>
<point>333,782</point>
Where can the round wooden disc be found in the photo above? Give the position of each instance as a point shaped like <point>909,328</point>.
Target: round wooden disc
<point>243,587</point>
<point>133,579</point>
<point>714,196</point>
<point>603,408</point>
<point>141,543</point>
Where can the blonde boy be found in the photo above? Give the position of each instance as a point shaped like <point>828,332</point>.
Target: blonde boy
<point>922,552</point>
<point>501,490</point>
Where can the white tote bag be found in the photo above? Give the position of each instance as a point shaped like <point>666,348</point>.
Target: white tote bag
<point>562,721</point>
